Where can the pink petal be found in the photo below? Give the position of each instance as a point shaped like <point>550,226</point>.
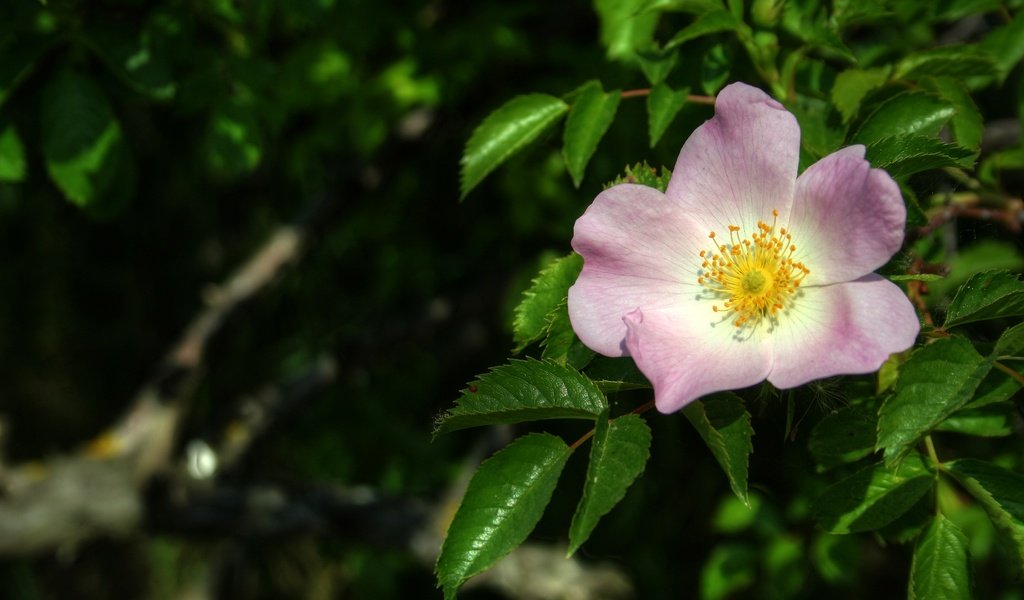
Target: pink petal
<point>847,218</point>
<point>639,251</point>
<point>841,329</point>
<point>685,355</point>
<point>741,164</point>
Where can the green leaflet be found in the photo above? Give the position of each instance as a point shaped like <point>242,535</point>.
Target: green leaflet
<point>533,314</point>
<point>906,113</point>
<point>707,23</point>
<point>724,425</point>
<point>906,154</point>
<point>845,436</point>
<point>616,374</point>
<point>618,456</point>
<point>12,155</point>
<point>873,497</point>
<point>506,131</point>
<point>852,85</point>
<point>560,342</point>
<point>989,295</point>
<point>592,113</point>
<point>936,381</point>
<point>1001,493</point>
<point>625,27</point>
<point>524,390</point>
<point>502,505</point>
<point>941,567</point>
<point>663,104</point>
<point>960,61</point>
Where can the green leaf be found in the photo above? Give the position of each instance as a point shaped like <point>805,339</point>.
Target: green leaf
<point>904,114</point>
<point>936,381</point>
<point>954,10</point>
<point>985,296</point>
<point>991,420</point>
<point>951,61</point>
<point>616,374</point>
<point>715,67</point>
<point>967,124</point>
<point>12,156</point>
<point>592,113</point>
<point>663,105</point>
<point>873,497</point>
<point>234,142</point>
<point>821,128</point>
<point>80,138</point>
<point>524,390</point>
<point>915,277</point>
<point>657,63</point>
<point>1001,493</point>
<point>996,387</point>
<point>852,85</point>
<point>625,27</point>
<point>1006,46</point>
<point>845,436</point>
<point>560,342</point>
<point>941,567</point>
<point>724,425</point>
<point>643,174</point>
<point>132,56</point>
<point>549,289</point>
<point>732,566</point>
<point>707,23</point>
<point>507,131</point>
<point>502,505</point>
<point>1011,342</point>
<point>620,451</point>
<point>906,154</point>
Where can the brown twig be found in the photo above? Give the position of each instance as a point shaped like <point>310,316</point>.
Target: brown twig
<point>693,99</point>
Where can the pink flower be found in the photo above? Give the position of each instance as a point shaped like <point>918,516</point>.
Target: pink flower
<point>741,271</point>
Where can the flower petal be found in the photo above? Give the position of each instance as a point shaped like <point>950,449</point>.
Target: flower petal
<point>847,218</point>
<point>685,355</point>
<point>841,329</point>
<point>741,164</point>
<point>639,251</point>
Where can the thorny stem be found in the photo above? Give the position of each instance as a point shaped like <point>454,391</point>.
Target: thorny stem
<point>636,411</point>
<point>694,99</point>
<point>1009,371</point>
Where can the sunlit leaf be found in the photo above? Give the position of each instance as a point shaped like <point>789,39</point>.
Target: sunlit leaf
<point>941,567</point>
<point>989,295</point>
<point>906,154</point>
<point>593,111</point>
<point>707,23</point>
<point>852,85</point>
<point>548,290</point>
<point>907,113</point>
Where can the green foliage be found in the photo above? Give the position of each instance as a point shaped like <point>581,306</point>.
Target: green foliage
<point>534,314</point>
<point>592,113</point>
<point>502,505</point>
<point>506,131</point>
<point>12,156</point>
<point>845,436</point>
<point>724,425</point>
<point>941,567</point>
<point>907,113</point>
<point>873,497</point>
<point>852,85</point>
<point>524,390</point>
<point>902,155</point>
<point>618,454</point>
<point>709,22</point>
<point>990,295</point>
<point>1001,493</point>
<point>663,104</point>
<point>935,382</point>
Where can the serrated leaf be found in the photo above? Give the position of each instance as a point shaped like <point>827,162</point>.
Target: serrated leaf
<point>1011,342</point>
<point>951,61</point>
<point>907,113</point>
<point>991,420</point>
<point>845,436</point>
<point>663,104</point>
<point>988,295</point>
<point>657,63</point>
<point>724,425</point>
<point>616,374</point>
<point>12,156</point>
<point>907,154</point>
<point>873,497</point>
<point>643,174</point>
<point>1001,493</point>
<point>548,290</point>
<point>560,342</point>
<point>936,381</point>
<point>996,387</point>
<point>592,113</point>
<point>80,137</point>
<point>625,27</point>
<point>967,124</point>
<point>618,456</point>
<point>503,503</point>
<point>941,567</point>
<point>506,131</point>
<point>524,390</point>
<point>852,85</point>
<point>707,23</point>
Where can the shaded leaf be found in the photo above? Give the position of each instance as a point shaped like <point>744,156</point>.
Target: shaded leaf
<point>657,63</point>
<point>1011,342</point>
<point>936,381</point>
<point>941,567</point>
<point>592,113</point>
<point>616,374</point>
<point>852,85</point>
<point>663,104</point>
<point>845,436</point>
<point>952,61</point>
<point>873,497</point>
<point>991,420</point>
<point>506,131</point>
<point>989,295</point>
<point>560,342</point>
<point>134,58</point>
<point>524,390</point>
<point>715,68</point>
<point>502,505</point>
<point>549,289</point>
<point>618,456</point>
<point>1001,493</point>
<point>12,156</point>
<point>724,425</point>
<point>234,140</point>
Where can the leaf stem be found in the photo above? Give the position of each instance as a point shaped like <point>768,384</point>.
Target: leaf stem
<point>931,451</point>
<point>636,411</point>
<point>1009,371</point>
<point>692,98</point>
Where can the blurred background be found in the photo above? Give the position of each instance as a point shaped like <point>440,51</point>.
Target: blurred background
<point>239,287</point>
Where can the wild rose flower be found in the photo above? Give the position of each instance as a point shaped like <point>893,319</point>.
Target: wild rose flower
<point>741,271</point>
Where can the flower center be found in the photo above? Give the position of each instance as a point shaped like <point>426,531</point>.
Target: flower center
<point>755,276</point>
